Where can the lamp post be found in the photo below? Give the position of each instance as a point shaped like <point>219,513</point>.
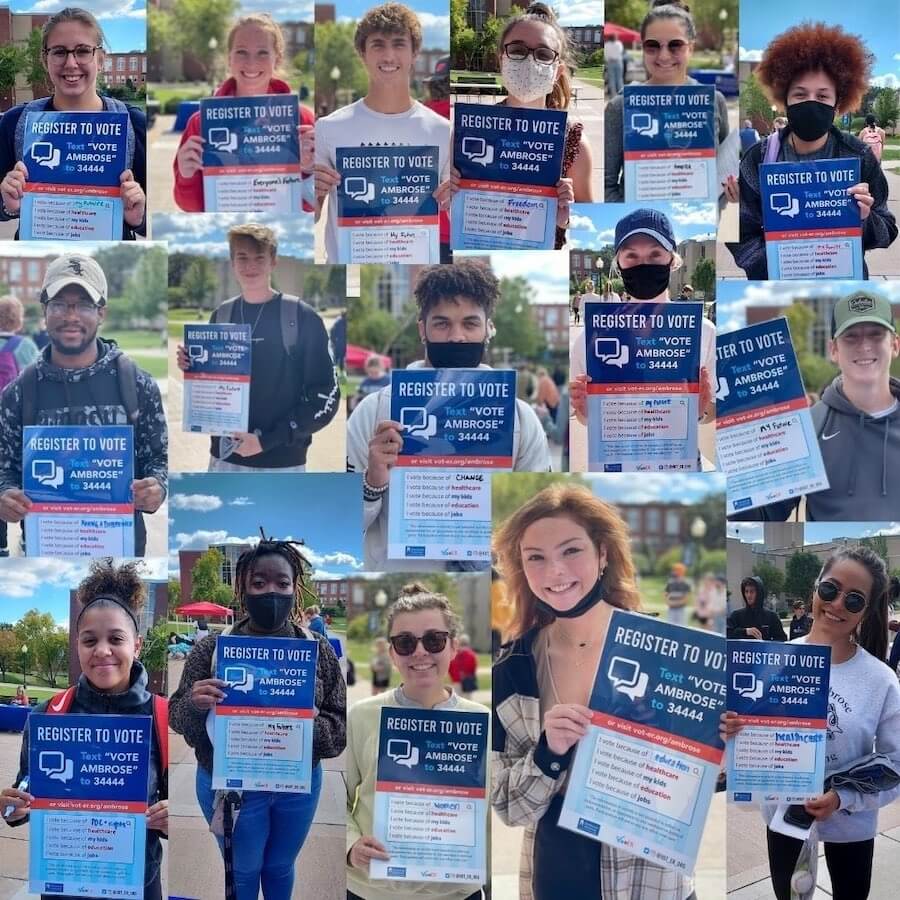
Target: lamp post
<point>381,599</point>
<point>599,265</point>
<point>24,658</point>
<point>698,532</point>
<point>335,75</point>
<point>213,45</point>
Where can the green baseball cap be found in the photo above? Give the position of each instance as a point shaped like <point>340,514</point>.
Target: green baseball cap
<point>861,306</point>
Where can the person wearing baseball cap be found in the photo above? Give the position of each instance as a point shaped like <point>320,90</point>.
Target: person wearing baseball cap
<point>82,379</point>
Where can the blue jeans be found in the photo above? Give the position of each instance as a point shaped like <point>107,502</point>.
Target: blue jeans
<point>270,831</point>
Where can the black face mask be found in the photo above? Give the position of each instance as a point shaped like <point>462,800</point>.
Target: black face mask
<point>646,281</point>
<point>810,119</point>
<point>588,601</point>
<point>454,354</point>
<point>269,611</point>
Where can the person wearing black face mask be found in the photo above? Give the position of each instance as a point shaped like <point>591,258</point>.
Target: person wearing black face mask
<point>814,72</point>
<point>455,304</point>
<point>272,827</point>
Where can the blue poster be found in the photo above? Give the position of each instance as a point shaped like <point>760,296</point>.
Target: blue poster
<point>217,385</point>
<point>263,729</point>
<point>251,154</point>
<point>510,161</point>
<point>386,209</point>
<point>430,796</point>
<point>74,163</point>
<point>765,439</point>
<point>79,481</point>
<point>670,143</point>
<point>780,692</point>
<point>812,225</point>
<point>643,360</point>
<point>644,775</point>
<point>89,776</point>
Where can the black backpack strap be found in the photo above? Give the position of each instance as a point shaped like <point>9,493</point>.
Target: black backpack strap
<point>127,374</point>
<point>225,312</point>
<point>290,323</point>
<point>29,381</point>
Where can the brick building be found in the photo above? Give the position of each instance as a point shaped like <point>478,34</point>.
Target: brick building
<point>14,29</point>
<point>119,68</point>
<point>553,320</point>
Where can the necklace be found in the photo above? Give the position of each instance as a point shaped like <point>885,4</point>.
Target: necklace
<point>262,308</point>
<point>573,642</point>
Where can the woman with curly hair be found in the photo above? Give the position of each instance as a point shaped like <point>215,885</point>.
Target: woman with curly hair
<point>566,559</point>
<point>814,72</point>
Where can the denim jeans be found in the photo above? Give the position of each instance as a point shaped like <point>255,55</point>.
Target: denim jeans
<point>269,833</point>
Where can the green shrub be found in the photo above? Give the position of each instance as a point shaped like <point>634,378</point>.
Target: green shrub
<point>358,628</point>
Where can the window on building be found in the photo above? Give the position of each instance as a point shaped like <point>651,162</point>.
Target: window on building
<point>15,271</point>
<point>34,271</point>
<point>653,519</point>
<point>673,522</point>
<point>598,36</point>
<point>551,317</point>
<point>120,64</point>
<point>576,260</point>
<point>633,518</point>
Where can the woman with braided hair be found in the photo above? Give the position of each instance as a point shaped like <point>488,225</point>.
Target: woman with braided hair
<point>269,833</point>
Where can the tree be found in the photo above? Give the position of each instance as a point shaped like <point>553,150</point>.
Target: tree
<point>800,320</point>
<point>704,277</point>
<point>199,282</point>
<point>754,104</point>
<point>48,645</point>
<point>10,66</point>
<point>628,13</point>
<point>508,494</point>
<point>174,596</point>
<point>10,655</point>
<point>711,510</point>
<point>196,22</point>
<point>772,578</point>
<point>878,544</point>
<point>801,573</point>
<point>224,596</point>
<point>886,108</point>
<point>146,291</point>
<point>52,656</point>
<point>335,50</point>
<point>118,263</point>
<point>516,327</point>
<point>33,64</point>
<point>205,577</point>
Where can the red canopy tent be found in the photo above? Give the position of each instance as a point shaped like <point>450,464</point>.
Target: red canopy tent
<point>625,35</point>
<point>205,608</point>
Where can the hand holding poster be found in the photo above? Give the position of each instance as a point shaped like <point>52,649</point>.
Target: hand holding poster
<point>79,481</point>
<point>670,142</point>
<point>457,424</point>
<point>74,163</point>
<point>510,161</point>
<point>386,209</point>
<point>643,363</point>
<point>263,728</point>
<point>765,439</point>
<point>251,154</point>
<point>780,692</point>
<point>217,385</point>
<point>89,776</point>
<point>812,225</point>
<point>430,796</point>
<point>644,775</point>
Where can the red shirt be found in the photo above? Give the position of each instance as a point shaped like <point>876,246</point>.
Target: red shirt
<point>463,665</point>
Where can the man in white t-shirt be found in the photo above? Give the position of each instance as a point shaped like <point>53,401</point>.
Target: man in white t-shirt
<point>388,39</point>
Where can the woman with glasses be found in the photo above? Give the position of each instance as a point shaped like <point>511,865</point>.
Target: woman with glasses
<point>73,55</point>
<point>849,613</point>
<point>566,559</point>
<point>667,36</point>
<point>422,632</point>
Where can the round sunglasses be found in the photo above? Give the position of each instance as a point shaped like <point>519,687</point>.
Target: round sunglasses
<point>854,601</point>
<point>675,47</point>
<point>405,643</point>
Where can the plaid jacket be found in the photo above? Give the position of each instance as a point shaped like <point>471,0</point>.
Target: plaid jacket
<point>527,789</point>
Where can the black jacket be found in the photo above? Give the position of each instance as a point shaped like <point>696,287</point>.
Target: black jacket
<point>756,616</point>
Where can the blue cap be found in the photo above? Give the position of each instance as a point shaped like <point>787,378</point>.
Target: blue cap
<point>651,222</point>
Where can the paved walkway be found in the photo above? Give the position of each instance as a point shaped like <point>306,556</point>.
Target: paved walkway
<point>589,111</point>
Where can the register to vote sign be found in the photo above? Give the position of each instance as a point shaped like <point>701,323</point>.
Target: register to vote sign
<point>386,211</point>
<point>217,385</point>
<point>644,775</point>
<point>780,693</point>
<point>263,728</point>
<point>765,438</point>
<point>457,425</point>
<point>430,795</point>
<point>74,161</point>
<point>643,360</point>
<point>510,161</point>
<point>89,777</point>
<point>79,481</point>
<point>812,225</point>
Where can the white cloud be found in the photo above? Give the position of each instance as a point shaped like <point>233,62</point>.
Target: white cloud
<point>745,532</point>
<point>335,558</point>
<point>196,502</point>
<point>580,12</point>
<point>25,576</point>
<point>886,81</point>
<point>578,222</point>
<point>280,11</point>
<point>694,214</point>
<point>199,540</point>
<point>745,55</point>
<point>241,501</point>
<point>102,9</point>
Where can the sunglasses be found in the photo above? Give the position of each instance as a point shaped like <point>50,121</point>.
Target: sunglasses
<point>854,601</point>
<point>675,47</point>
<point>405,643</point>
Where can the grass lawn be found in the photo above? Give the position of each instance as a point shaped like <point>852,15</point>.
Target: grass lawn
<point>591,74</point>
<point>14,679</point>
<point>890,152</point>
<point>178,317</point>
<point>650,588</point>
<point>157,366</point>
<point>139,339</point>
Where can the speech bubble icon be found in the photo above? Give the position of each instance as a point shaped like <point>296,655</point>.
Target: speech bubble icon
<point>239,679</point>
<point>627,677</point>
<point>478,150</point>
<point>223,139</point>
<point>45,153</point>
<point>47,472</point>
<point>645,124</point>
<point>198,353</point>
<point>402,752</point>
<point>611,351</point>
<point>723,389</point>
<point>417,422</point>
<point>784,204</point>
<point>55,765</point>
<point>358,188</point>
<point>746,684</point>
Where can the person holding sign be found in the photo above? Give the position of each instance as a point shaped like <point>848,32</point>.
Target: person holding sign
<point>455,304</point>
<point>566,558</point>
<point>849,611</point>
<point>271,827</point>
<point>81,379</point>
<point>422,631</point>
<point>256,52</point>
<point>72,52</point>
<point>112,682</point>
<point>667,37</point>
<point>815,72</point>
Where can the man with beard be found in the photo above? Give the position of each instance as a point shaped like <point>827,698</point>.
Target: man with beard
<point>754,620</point>
<point>81,379</point>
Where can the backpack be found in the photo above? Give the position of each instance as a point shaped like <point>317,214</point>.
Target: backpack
<point>126,372</point>
<point>9,365</point>
<point>290,319</point>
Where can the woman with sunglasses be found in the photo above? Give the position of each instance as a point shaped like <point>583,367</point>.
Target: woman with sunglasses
<point>422,632</point>
<point>566,559</point>
<point>72,52</point>
<point>667,36</point>
<point>849,612</point>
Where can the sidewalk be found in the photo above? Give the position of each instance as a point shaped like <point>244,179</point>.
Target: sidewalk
<point>589,111</point>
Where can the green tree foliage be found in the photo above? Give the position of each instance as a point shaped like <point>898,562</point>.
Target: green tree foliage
<point>10,652</point>
<point>772,578</point>
<point>146,291</point>
<point>509,493</point>
<point>155,652</point>
<point>704,277</point>
<point>800,575</point>
<point>886,108</point>
<point>627,13</point>
<point>711,509</point>
<point>754,104</point>
<point>199,283</point>
<point>10,65</point>
<point>334,48</point>
<point>516,327</point>
<point>196,22</point>
<point>118,262</point>
<point>174,595</point>
<point>48,645</point>
<point>205,578</point>
<point>33,63</point>
<point>878,544</point>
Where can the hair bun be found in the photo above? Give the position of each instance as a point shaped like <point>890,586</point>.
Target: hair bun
<point>413,588</point>
<point>657,3</point>
<point>542,10</point>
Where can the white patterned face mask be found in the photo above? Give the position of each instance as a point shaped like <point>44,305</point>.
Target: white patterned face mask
<point>527,80</point>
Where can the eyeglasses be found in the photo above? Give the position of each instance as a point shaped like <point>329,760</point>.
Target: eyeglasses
<point>854,601</point>
<point>675,47</point>
<point>60,307</point>
<point>518,50</point>
<point>83,53</point>
<point>405,643</point>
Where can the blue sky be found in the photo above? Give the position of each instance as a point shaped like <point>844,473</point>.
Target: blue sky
<point>592,225</point>
<point>878,23</point>
<point>579,12</point>
<point>650,486</point>
<point>434,16</point>
<point>323,510</point>
<point>546,271</point>
<point>280,10</point>
<point>124,22</point>
<point>207,234</point>
<point>815,532</point>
